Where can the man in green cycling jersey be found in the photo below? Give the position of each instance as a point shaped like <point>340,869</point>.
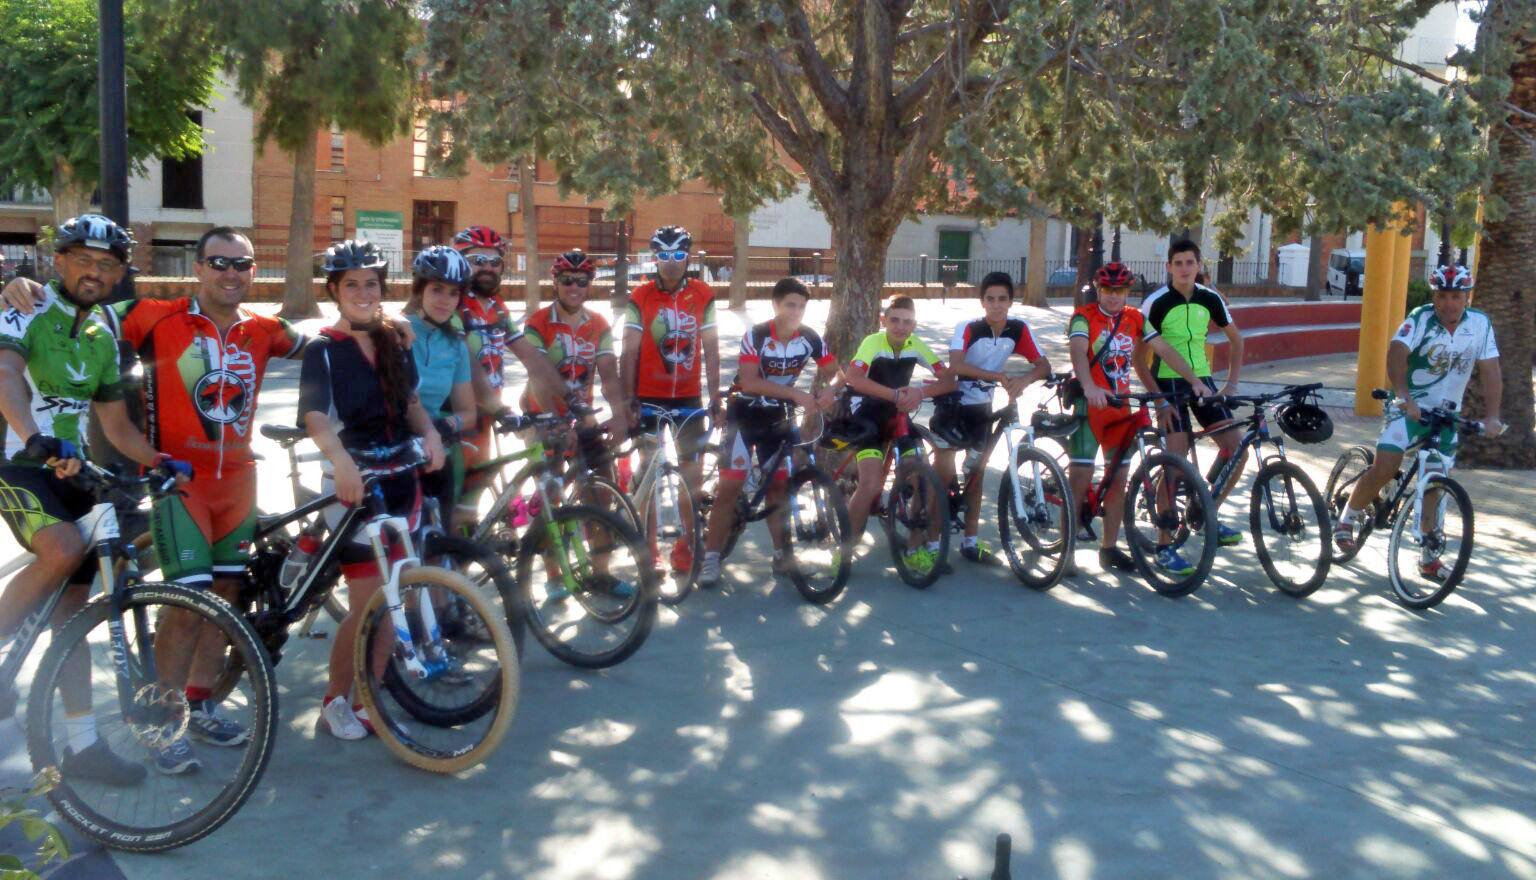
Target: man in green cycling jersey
<point>1182,312</point>
<point>1429,363</point>
<point>878,378</point>
<point>56,364</point>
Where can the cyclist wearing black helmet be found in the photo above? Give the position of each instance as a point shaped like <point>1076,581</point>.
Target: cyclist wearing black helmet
<point>1429,363</point>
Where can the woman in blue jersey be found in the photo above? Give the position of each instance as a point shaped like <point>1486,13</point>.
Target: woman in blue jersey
<point>439,276</point>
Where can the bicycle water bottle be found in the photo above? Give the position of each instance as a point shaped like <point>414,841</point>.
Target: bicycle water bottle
<point>524,510</point>
<point>298,560</point>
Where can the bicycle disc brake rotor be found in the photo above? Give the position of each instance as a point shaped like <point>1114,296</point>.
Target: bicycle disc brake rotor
<point>159,716</point>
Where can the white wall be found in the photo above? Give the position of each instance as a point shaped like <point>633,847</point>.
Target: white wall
<point>1008,239</point>
<point>229,155</point>
<point>795,222</point>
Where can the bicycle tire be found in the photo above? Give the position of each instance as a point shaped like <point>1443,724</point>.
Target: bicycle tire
<point>831,515</point>
<point>396,736</point>
<point>1346,471</point>
<point>257,752</point>
<point>1197,500</point>
<point>1058,549</point>
<point>674,586</point>
<point>1400,588</point>
<point>1293,522</point>
<point>603,494</point>
<point>642,609</point>
<point>924,483</point>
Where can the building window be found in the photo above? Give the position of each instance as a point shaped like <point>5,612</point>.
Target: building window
<point>431,223</point>
<point>181,180</point>
<point>338,218</point>
<point>423,156</point>
<point>602,235</point>
<point>338,149</point>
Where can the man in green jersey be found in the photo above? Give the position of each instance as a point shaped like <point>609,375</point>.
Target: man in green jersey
<point>55,364</point>
<point>1182,312</point>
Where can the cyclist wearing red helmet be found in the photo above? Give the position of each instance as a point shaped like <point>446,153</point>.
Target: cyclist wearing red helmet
<point>578,342</point>
<point>1106,338</point>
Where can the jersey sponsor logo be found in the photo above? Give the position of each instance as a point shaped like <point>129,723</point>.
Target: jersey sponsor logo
<point>220,397</point>
<point>62,405</point>
<point>12,318</point>
<point>1116,362</point>
<point>574,358</point>
<point>675,333</point>
<point>77,374</point>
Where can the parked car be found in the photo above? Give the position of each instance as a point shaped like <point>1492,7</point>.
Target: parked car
<point>813,280</point>
<point>1346,271</point>
<point>1066,276</point>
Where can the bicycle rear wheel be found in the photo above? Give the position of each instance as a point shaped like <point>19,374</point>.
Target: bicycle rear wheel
<point>817,532</point>
<point>1167,498</point>
<point>587,586</point>
<point>134,717</point>
<point>1039,541</point>
<point>1347,471</point>
<point>1416,558</point>
<point>916,516</point>
<point>603,494</point>
<point>1291,529</point>
<point>673,530</point>
<point>470,685</point>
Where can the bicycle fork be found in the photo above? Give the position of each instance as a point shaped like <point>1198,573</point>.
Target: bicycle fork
<point>432,660</point>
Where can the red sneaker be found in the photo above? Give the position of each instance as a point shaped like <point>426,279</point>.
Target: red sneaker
<point>682,557</point>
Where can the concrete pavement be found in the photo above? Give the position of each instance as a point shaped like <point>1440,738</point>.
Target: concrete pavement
<point>1236,733</point>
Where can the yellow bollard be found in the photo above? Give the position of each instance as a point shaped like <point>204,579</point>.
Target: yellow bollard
<point>1376,322</point>
<point>1402,257</point>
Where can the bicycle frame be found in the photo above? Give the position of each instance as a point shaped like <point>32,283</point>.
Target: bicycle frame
<point>663,449</point>
<point>1255,435</point>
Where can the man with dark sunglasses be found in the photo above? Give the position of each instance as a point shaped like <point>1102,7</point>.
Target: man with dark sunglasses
<point>579,343</point>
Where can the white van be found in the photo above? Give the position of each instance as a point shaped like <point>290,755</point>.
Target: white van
<point>1342,264</point>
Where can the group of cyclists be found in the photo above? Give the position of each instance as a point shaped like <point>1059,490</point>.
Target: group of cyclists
<point>436,374</point>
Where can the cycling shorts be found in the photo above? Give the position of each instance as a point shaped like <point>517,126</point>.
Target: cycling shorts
<point>205,530</point>
<point>1400,433</point>
<point>1209,414</point>
<point>691,434</point>
<point>753,431</point>
<point>446,484</point>
<point>33,498</point>
<point>402,497</point>
<point>1112,428</point>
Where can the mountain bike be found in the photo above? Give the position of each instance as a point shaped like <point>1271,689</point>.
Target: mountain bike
<point>104,656</point>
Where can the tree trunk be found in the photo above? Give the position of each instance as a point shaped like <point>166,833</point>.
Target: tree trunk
<point>299,286</point>
<point>621,269</point>
<point>859,279</point>
<point>1034,267</point>
<point>1503,286</point>
<point>70,199</point>
<point>1315,274</point>
<point>531,297</point>
<point>1084,266</point>
<point>741,255</point>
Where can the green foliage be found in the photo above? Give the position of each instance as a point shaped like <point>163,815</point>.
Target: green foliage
<point>305,65</point>
<point>49,107</point>
<point>51,845</point>
<point>1418,293</point>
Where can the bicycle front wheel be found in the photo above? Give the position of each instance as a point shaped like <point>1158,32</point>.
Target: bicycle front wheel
<point>673,527</point>
<point>105,789</point>
<point>468,685</point>
<point>1428,554</point>
<point>1347,471</point>
<point>1291,528</point>
<point>817,532</point>
<point>1035,527</point>
<point>587,587</point>
<point>1165,501</point>
<point>916,517</point>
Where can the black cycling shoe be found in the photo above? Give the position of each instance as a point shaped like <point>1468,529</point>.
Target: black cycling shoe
<point>97,763</point>
<point>1115,559</point>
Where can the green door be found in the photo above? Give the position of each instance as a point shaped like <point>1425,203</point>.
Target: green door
<point>954,255</point>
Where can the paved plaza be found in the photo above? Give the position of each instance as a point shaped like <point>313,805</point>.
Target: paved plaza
<point>1114,733</point>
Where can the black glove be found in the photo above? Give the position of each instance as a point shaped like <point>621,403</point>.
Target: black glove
<point>43,447</point>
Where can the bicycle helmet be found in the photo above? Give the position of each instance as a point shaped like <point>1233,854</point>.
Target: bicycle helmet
<point>573,261</point>
<point>946,423</point>
<point>1113,275</point>
<point>441,263</point>
<point>479,237</point>
<point>1058,425</point>
<point>1451,278</point>
<point>1305,422</point>
<point>96,232</point>
<point>851,431</point>
<point>344,256</point>
<point>671,238</point>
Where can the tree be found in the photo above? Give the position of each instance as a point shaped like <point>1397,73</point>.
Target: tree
<point>308,65</point>
<point>1142,111</point>
<point>1504,64</point>
<point>50,133</point>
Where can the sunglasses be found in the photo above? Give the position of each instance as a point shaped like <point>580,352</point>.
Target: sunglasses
<point>671,256</point>
<point>577,280</point>
<point>483,260</point>
<point>219,264</point>
<point>85,262</point>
